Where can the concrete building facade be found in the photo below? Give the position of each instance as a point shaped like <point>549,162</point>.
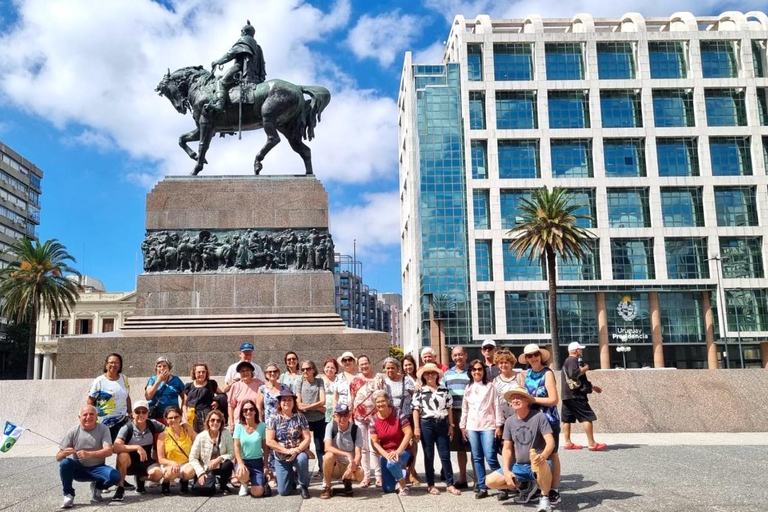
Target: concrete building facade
<point>659,127</point>
<point>358,304</point>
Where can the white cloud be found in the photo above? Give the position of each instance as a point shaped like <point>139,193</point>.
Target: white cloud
<point>568,8</point>
<point>97,68</point>
<point>432,54</point>
<point>384,37</point>
<point>98,140</point>
<point>375,224</point>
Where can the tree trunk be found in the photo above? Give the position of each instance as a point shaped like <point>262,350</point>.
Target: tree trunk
<point>31,344</point>
<point>552,278</point>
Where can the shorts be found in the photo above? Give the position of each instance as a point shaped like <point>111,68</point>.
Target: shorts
<point>523,472</point>
<point>182,467</point>
<point>138,468</point>
<point>458,444</point>
<point>255,471</point>
<point>577,409</point>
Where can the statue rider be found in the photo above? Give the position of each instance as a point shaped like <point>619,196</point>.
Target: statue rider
<point>249,63</point>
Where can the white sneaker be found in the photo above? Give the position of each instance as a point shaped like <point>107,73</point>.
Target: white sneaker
<point>544,505</point>
<point>95,493</point>
<point>243,490</point>
<point>68,502</point>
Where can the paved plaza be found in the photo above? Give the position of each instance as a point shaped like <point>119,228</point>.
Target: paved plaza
<point>639,473</point>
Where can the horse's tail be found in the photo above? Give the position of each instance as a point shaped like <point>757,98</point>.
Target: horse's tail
<point>320,97</point>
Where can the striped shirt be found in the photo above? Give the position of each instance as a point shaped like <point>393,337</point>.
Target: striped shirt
<point>456,381</point>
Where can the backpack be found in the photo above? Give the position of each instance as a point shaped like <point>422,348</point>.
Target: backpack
<point>150,426</point>
<point>335,431</point>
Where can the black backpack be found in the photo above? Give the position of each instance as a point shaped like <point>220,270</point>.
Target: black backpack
<point>335,431</point>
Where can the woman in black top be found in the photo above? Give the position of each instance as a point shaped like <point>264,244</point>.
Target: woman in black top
<point>199,395</point>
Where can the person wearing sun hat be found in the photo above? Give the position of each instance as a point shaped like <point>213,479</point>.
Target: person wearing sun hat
<point>348,363</point>
<point>575,402</point>
<point>246,354</point>
<point>525,431</point>
<point>540,382</point>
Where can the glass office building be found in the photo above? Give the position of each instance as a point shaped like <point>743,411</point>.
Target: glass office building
<point>659,127</point>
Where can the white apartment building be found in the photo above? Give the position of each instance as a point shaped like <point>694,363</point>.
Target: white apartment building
<point>659,126</point>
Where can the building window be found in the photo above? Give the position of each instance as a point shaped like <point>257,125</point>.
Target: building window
<point>486,318</point>
<point>673,108</point>
<point>624,158</point>
<point>682,317</point>
<point>483,260</point>
<point>718,59</point>
<point>527,312</point>
<point>107,325</point>
<point>762,105</point>
<point>686,258</point>
<point>616,60</point>
<point>481,200</point>
<point>513,61</point>
<point>523,269</point>
<point>571,158</point>
<point>677,157</point>
<point>632,258</point>
<point>569,109</point>
<point>628,208</point>
<point>582,269</point>
<point>730,156</point>
<point>474,62</point>
<point>511,201</point>
<point>742,257</point>
<point>725,107</point>
<point>84,326</point>
<point>735,206</point>
<point>516,110</point>
<point>518,159</point>
<point>565,61</point>
<point>60,327</point>
<point>668,59</point>
<point>682,207</point>
<point>479,155</point>
<point>621,109</point>
<point>586,213</point>
<point>747,310</point>
<point>765,152</point>
<point>758,58</point>
<point>476,110</point>
<point>577,317</point>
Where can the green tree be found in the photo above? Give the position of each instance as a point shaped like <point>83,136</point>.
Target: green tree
<point>34,281</point>
<point>396,352</point>
<point>546,226</point>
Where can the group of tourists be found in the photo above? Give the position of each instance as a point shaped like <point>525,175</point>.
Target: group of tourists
<point>259,429</point>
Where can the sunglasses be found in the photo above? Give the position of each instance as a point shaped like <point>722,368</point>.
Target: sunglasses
<point>248,409</point>
<point>214,420</point>
<point>348,360</point>
<point>478,369</point>
<point>533,354</point>
<point>291,359</point>
<point>488,348</point>
<point>141,411</point>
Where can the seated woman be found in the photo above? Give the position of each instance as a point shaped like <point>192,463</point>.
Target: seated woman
<point>391,434</point>
<point>251,451</point>
<point>173,447</point>
<point>163,389</point>
<point>212,454</point>
<point>134,448</point>
<point>288,437</point>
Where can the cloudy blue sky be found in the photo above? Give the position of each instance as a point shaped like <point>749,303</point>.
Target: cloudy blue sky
<point>76,98</point>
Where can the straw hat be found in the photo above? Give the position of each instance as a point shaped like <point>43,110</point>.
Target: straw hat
<point>346,355</point>
<point>532,349</point>
<point>521,392</point>
<point>429,367</point>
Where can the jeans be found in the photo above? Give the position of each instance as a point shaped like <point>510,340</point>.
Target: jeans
<point>393,472</point>
<point>70,469</point>
<point>318,434</point>
<point>284,471</point>
<point>483,449</point>
<point>436,432</point>
<point>370,462</point>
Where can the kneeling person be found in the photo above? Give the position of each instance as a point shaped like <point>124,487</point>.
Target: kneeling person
<point>134,448</point>
<point>525,431</point>
<point>343,451</point>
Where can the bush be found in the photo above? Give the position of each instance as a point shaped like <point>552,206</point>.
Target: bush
<point>396,352</point>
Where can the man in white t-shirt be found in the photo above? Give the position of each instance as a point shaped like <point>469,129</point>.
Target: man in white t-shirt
<point>246,354</point>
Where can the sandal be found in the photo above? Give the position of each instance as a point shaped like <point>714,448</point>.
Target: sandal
<point>365,483</point>
<point>572,447</point>
<point>453,490</point>
<point>405,492</point>
<point>378,482</point>
<point>414,481</point>
<point>433,490</point>
<point>598,447</point>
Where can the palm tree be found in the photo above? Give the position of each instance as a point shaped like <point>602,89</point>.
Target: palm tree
<point>35,281</point>
<point>546,227</point>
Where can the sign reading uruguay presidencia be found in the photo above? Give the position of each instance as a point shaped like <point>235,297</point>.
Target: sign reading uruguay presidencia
<point>627,310</point>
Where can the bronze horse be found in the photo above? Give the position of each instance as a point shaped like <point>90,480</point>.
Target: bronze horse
<point>275,105</point>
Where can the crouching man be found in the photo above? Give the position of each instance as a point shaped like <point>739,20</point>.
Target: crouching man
<point>524,431</point>
<point>82,455</point>
<point>343,451</point>
<point>134,447</point>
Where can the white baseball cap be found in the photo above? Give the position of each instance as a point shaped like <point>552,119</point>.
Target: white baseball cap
<point>488,343</point>
<point>575,345</point>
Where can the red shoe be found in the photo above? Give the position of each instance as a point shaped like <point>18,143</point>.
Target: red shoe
<point>572,447</point>
<point>598,447</point>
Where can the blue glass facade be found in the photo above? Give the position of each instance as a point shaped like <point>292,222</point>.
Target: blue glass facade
<point>668,59</point>
<point>568,109</point>
<point>510,205</point>
<point>632,258</point>
<point>516,110</point>
<point>586,213</point>
<point>621,109</point>
<point>565,61</point>
<point>736,206</point>
<point>481,208</point>
<point>522,269</point>
<point>443,205</point>
<point>673,108</point>
<point>474,62</point>
<point>483,260</point>
<point>730,156</point>
<point>513,61</point>
<point>615,60</point>
<point>718,59</point>
<point>571,158</point>
<point>479,150</point>
<point>677,157</point>
<point>518,159</point>
<point>682,207</point>
<point>624,158</point>
<point>725,107</point>
<point>628,208</point>
<point>686,258</point>
<point>583,269</point>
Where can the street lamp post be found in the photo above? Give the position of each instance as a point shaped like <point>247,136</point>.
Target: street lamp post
<point>721,310</point>
<point>623,349</point>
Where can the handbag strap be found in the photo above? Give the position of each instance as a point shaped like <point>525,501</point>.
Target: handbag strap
<point>170,433</point>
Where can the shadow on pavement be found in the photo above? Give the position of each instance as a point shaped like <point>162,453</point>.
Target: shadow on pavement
<point>614,447</point>
<point>575,482</point>
<point>592,499</point>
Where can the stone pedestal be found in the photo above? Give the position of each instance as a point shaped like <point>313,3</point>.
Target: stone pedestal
<point>204,315</point>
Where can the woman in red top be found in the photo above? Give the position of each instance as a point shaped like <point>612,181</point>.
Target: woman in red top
<point>361,391</point>
<point>391,434</point>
